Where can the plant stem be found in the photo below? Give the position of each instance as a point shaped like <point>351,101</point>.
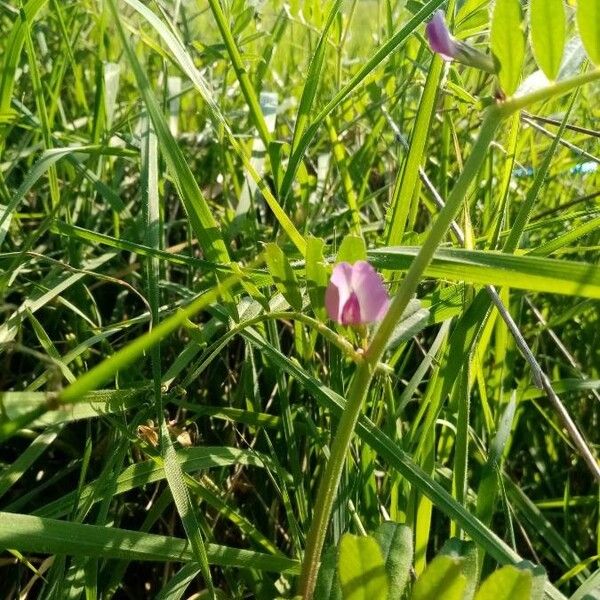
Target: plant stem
<point>409,284</point>
<point>331,477</point>
<point>555,89</point>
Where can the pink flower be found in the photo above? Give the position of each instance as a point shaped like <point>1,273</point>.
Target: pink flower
<point>439,37</point>
<point>356,294</point>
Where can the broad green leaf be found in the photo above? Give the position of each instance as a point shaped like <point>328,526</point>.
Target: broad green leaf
<point>328,582</point>
<point>361,568</point>
<point>467,551</point>
<point>548,30</point>
<point>395,541</point>
<point>507,583</point>
<point>351,249</point>
<point>443,578</point>
<point>508,43</point>
<point>588,23</point>
<point>50,536</point>
<point>539,579</point>
<point>283,275</point>
<point>496,268</point>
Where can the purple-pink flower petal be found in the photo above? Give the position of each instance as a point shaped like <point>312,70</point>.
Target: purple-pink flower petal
<point>351,311</point>
<point>356,294</point>
<point>372,295</point>
<point>338,291</point>
<point>439,37</point>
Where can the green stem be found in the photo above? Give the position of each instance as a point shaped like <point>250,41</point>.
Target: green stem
<point>364,374</point>
<point>409,284</point>
<point>555,89</point>
<point>330,480</point>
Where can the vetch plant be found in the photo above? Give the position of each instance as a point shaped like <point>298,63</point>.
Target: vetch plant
<point>493,117</point>
<point>356,294</point>
<point>379,566</point>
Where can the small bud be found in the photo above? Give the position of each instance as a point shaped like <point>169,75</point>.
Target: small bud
<point>439,37</point>
<point>442,42</point>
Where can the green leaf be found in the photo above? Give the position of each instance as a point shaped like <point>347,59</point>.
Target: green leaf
<point>507,583</point>
<point>395,541</point>
<point>443,578</point>
<point>351,249</point>
<point>539,579</point>
<point>328,583</point>
<point>283,275</point>
<point>548,30</point>
<point>50,536</point>
<point>588,23</point>
<point>361,568</point>
<point>508,43</point>
<point>476,266</point>
<point>467,552</point>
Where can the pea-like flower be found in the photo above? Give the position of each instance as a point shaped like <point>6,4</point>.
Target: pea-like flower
<point>439,37</point>
<point>442,42</point>
<point>356,294</point>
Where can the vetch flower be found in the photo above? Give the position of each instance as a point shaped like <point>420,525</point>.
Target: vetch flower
<point>356,294</point>
<point>439,36</point>
<point>442,42</point>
